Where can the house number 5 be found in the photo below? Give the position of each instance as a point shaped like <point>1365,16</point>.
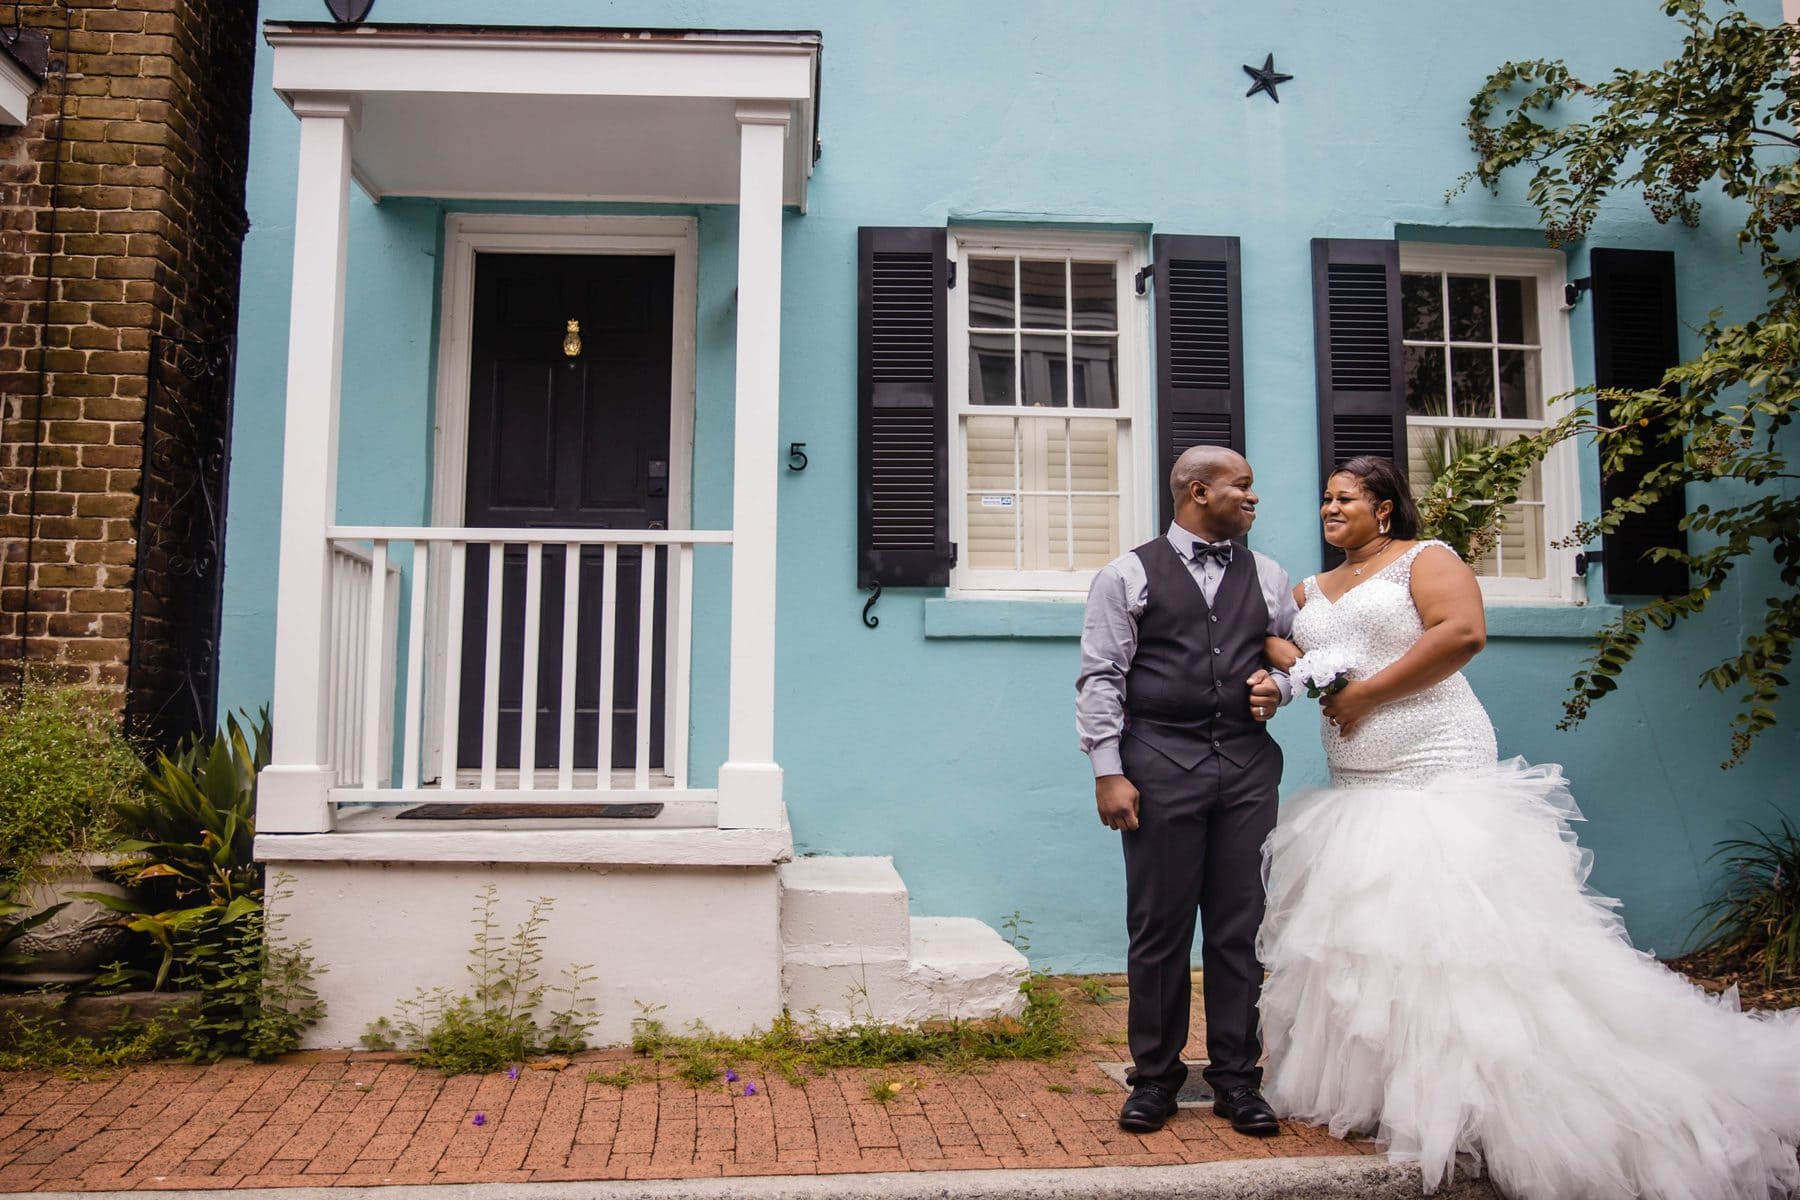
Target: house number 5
<point>796,456</point>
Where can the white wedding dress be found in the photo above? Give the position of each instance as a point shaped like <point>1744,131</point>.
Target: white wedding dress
<point>1440,977</point>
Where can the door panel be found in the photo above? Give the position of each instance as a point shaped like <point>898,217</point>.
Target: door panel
<point>571,443</point>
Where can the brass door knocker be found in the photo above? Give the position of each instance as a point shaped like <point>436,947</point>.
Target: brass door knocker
<point>572,340</point>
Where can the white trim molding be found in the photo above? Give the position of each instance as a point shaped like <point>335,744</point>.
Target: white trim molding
<point>1135,412</point>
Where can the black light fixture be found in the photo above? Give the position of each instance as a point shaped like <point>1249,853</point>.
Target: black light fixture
<point>349,12</point>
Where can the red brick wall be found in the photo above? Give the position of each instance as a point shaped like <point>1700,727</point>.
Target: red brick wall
<point>133,229</point>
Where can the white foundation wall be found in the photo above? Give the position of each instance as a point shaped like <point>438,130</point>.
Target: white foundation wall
<point>704,943</point>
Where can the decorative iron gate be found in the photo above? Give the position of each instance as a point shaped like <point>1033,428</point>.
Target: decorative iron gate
<point>173,684</point>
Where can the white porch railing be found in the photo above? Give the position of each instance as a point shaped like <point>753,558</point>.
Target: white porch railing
<point>359,719</point>
<point>435,700</point>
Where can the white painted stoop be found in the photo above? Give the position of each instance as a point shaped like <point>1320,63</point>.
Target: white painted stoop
<point>851,951</point>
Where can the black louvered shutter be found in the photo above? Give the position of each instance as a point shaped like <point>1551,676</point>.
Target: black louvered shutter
<point>1356,344</point>
<point>1636,340</point>
<point>1199,350</point>
<point>903,509</point>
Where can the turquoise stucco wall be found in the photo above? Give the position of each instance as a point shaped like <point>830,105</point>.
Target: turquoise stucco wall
<point>955,754</point>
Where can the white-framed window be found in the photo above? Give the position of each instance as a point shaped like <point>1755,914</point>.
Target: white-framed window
<point>1049,408</point>
<point>1487,351</point>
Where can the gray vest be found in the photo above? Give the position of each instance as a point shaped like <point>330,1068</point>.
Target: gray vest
<point>1185,694</point>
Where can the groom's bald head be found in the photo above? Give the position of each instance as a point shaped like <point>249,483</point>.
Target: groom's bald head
<point>1203,464</point>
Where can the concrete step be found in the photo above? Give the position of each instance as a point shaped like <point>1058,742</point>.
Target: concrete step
<point>959,969</point>
<point>844,909</point>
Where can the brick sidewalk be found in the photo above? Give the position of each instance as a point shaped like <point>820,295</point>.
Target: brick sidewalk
<point>351,1118</point>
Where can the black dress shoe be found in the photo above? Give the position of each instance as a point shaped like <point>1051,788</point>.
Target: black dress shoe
<point>1147,1109</point>
<point>1247,1111</point>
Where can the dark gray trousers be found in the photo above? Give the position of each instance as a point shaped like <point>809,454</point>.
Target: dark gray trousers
<point>1197,849</point>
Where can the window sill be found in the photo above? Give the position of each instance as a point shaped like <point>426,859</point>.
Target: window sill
<point>1572,621</point>
<point>964,618</point>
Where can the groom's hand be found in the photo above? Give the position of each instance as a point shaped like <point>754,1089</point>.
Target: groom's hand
<point>1117,801</point>
<point>1265,696</point>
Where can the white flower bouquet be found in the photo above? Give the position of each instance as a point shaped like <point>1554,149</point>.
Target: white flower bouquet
<point>1323,671</point>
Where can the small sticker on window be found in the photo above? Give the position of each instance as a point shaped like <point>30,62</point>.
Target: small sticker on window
<point>996,502</point>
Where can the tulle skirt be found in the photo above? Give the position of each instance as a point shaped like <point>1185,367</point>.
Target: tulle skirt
<point>1440,977</point>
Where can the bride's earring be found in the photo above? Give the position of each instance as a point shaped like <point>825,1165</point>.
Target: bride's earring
<point>1382,528</point>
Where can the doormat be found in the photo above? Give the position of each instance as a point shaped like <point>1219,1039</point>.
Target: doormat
<point>532,812</point>
<point>1195,1093</point>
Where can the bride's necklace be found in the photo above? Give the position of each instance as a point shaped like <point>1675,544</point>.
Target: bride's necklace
<point>1356,569</point>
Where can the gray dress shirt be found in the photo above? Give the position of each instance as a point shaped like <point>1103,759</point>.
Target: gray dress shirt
<point>1109,634</point>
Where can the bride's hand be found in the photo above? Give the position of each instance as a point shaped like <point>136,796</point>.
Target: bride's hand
<point>1280,653</point>
<point>1348,706</point>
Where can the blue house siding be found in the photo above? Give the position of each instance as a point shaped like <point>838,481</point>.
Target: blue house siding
<point>945,736</point>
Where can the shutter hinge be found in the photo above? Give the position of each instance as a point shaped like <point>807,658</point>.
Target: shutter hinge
<point>951,263</point>
<point>951,562</point>
<point>1573,289</point>
<point>1145,273</point>
<point>1586,558</point>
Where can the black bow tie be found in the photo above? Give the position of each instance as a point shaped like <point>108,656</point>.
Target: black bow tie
<point>1214,550</point>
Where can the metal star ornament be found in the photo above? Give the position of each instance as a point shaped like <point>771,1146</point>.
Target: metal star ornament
<point>1266,79</point>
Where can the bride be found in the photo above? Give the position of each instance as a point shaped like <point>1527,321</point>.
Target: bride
<point>1439,977</point>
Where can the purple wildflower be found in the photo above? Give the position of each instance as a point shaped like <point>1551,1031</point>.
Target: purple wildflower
<point>749,1089</point>
<point>478,1119</point>
<point>731,1076</point>
<point>512,1072</point>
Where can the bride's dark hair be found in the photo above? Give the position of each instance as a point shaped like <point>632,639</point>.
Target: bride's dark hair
<point>1384,481</point>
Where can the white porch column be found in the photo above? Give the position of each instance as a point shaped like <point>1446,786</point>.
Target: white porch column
<point>750,780</point>
<point>293,789</point>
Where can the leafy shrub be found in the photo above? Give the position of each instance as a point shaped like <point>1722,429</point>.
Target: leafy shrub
<point>497,1021</point>
<point>1756,915</point>
<point>34,1042</point>
<point>64,765</point>
<point>200,899</point>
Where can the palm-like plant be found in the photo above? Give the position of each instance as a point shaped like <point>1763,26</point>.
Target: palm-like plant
<point>1757,912</point>
<point>194,845</point>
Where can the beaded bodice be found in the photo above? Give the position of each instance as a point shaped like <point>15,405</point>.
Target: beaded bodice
<point>1418,737</point>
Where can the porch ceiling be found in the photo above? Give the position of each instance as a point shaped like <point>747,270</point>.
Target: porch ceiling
<point>552,114</point>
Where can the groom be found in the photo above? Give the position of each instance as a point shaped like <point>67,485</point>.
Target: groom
<point>1171,706</point>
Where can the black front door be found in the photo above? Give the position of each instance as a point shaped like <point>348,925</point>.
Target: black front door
<point>567,437</point>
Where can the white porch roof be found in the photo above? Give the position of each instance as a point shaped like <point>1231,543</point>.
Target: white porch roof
<point>497,112</point>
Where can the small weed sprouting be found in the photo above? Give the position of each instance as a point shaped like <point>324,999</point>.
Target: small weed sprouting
<point>623,1078</point>
<point>884,1090</point>
<point>699,1065</point>
<point>1097,1090</point>
<point>1061,1089</point>
<point>496,1022</point>
<point>1013,927</point>
<point>35,1042</point>
<point>649,1036</point>
<point>1096,991</point>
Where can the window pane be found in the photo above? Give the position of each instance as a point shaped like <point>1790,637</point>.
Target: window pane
<point>1521,546</point>
<point>1432,448</point>
<point>1096,372</point>
<point>1043,294</point>
<point>991,453</point>
<point>1521,390</point>
<point>1083,456</point>
<point>1096,296</point>
<point>993,533</point>
<point>1096,531</point>
<point>1046,372</point>
<point>1422,307</point>
<point>991,368</point>
<point>1470,320</point>
<point>1472,383</point>
<point>991,292</point>
<point>1425,381</point>
<point>1515,310</point>
<point>1044,532</point>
